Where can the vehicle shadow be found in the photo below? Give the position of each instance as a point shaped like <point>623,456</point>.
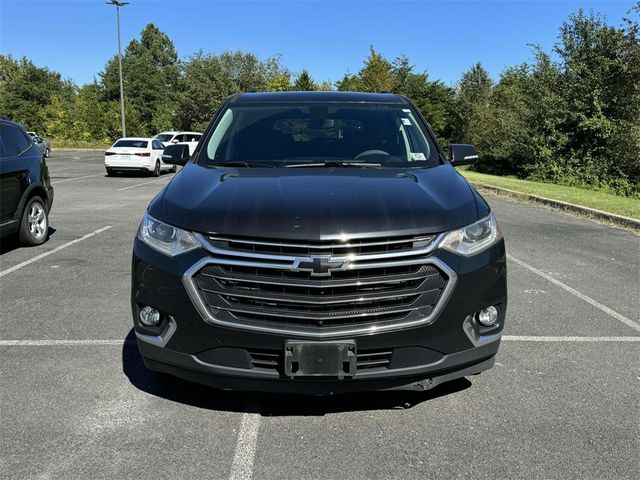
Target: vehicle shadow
<point>135,174</point>
<point>268,404</point>
<point>10,242</point>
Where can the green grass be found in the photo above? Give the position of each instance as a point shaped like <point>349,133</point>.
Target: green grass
<point>608,202</point>
<point>65,144</point>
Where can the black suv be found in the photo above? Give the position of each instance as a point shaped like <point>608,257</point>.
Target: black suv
<point>319,242</point>
<point>26,194</point>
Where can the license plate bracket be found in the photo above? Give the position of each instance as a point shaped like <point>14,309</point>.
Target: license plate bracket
<point>320,359</point>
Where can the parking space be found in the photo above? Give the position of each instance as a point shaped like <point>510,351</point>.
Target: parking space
<point>561,402</point>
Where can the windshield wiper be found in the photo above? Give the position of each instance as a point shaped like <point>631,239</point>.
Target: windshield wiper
<point>241,164</point>
<point>334,163</point>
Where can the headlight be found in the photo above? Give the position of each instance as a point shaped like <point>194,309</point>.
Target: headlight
<point>474,238</point>
<point>164,238</point>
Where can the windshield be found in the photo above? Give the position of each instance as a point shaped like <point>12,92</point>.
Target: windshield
<point>308,134</point>
<point>131,143</point>
<point>164,137</point>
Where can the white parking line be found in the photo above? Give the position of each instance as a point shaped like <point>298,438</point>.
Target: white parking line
<point>242,466</point>
<point>532,338</point>
<point>141,184</point>
<point>51,252</point>
<point>581,296</point>
<point>56,182</point>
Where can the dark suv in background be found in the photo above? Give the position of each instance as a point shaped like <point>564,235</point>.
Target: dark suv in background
<point>319,242</point>
<point>26,194</point>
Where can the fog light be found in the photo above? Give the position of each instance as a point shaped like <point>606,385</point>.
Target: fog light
<point>488,316</point>
<point>149,316</point>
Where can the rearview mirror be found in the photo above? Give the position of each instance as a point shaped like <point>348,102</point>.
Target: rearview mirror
<point>176,154</point>
<point>462,154</point>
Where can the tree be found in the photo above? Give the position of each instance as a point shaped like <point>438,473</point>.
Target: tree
<point>279,83</point>
<point>25,90</point>
<point>204,86</point>
<point>348,83</point>
<point>90,114</point>
<point>601,85</point>
<point>433,99</point>
<point>376,75</point>
<point>207,80</point>
<point>304,82</point>
<point>472,104</point>
<point>325,86</point>
<point>150,72</point>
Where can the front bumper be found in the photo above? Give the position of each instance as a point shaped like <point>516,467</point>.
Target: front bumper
<point>184,345</point>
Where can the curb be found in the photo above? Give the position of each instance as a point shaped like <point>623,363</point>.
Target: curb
<point>619,220</point>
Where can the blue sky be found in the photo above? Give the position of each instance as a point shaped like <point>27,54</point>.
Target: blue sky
<point>442,37</point>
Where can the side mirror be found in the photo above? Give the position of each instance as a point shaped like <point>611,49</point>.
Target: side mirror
<point>176,154</point>
<point>175,140</point>
<point>462,154</point>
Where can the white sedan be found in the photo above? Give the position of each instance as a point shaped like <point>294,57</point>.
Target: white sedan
<point>186,138</point>
<point>141,154</point>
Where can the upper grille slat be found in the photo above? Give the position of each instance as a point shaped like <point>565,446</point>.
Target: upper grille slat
<point>354,278</point>
<point>328,247</point>
<point>279,286</point>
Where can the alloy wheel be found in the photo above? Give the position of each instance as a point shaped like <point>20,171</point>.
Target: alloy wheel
<point>37,221</point>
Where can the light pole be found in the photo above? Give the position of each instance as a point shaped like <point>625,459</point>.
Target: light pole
<point>118,5</point>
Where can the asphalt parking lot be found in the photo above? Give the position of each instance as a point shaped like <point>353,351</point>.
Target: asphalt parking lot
<point>563,400</point>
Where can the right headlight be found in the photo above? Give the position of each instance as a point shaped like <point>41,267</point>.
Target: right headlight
<point>473,238</point>
<point>165,238</point>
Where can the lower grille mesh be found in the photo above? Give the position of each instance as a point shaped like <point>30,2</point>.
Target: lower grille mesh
<point>366,360</point>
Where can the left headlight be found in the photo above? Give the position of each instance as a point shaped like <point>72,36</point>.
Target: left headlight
<point>473,238</point>
<point>164,238</point>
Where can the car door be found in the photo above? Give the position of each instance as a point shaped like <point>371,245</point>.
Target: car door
<point>177,138</point>
<point>41,144</point>
<point>14,173</point>
<point>158,148</point>
<point>193,142</point>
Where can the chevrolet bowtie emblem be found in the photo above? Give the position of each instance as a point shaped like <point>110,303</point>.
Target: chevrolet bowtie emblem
<point>319,266</point>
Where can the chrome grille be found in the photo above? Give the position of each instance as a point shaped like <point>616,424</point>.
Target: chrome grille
<point>290,291</point>
<point>328,247</point>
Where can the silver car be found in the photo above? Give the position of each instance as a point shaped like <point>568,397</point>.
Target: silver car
<point>41,143</point>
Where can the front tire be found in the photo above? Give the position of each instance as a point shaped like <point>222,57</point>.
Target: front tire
<point>156,171</point>
<point>174,169</point>
<point>110,172</point>
<point>34,225</point>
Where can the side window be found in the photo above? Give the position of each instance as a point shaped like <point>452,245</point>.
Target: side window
<point>157,145</point>
<point>15,142</point>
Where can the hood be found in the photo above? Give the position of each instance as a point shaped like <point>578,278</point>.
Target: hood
<point>316,203</point>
